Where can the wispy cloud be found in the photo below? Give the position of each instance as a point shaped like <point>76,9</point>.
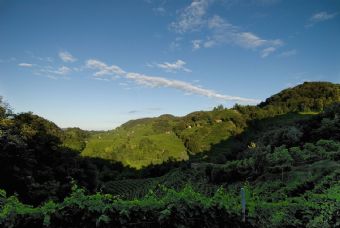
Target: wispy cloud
<point>66,57</point>
<point>322,16</point>
<point>63,70</point>
<point>319,17</point>
<point>196,44</point>
<point>219,31</point>
<point>151,81</point>
<point>252,41</point>
<point>223,32</point>
<point>267,51</point>
<point>25,65</point>
<point>174,67</point>
<point>103,68</point>
<point>47,68</point>
<point>192,17</point>
<point>288,53</point>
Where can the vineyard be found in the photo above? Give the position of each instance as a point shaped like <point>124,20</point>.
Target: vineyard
<point>171,208</point>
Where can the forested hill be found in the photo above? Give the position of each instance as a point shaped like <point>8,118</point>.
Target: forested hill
<point>139,143</point>
<point>309,96</point>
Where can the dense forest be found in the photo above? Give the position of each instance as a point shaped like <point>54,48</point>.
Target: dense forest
<point>179,171</point>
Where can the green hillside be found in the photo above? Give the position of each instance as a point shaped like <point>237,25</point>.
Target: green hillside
<point>139,143</point>
<point>309,96</point>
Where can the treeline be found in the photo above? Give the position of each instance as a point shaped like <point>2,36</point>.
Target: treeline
<point>309,96</point>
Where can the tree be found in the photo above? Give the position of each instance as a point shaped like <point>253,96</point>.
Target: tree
<point>5,109</point>
<point>280,159</point>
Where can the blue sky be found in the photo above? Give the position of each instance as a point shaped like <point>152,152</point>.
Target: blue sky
<point>98,64</point>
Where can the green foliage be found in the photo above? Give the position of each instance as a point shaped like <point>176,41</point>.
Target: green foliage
<point>75,138</point>
<point>184,208</point>
<point>309,96</point>
<point>168,208</point>
<point>280,157</point>
<point>138,144</point>
<point>143,142</point>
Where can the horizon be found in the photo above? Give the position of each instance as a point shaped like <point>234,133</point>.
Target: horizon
<point>94,66</point>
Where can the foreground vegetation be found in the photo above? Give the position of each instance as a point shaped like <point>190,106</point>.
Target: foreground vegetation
<point>169,208</point>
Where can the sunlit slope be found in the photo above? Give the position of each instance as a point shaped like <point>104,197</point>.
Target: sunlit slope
<point>306,97</point>
<point>137,144</point>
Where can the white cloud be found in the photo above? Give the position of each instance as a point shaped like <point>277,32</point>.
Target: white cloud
<point>222,32</point>
<point>103,68</point>
<point>63,70</point>
<point>288,53</point>
<point>25,65</point>
<point>250,40</point>
<point>217,22</point>
<point>179,65</point>
<point>322,16</point>
<point>196,44</point>
<point>67,57</point>
<point>152,81</point>
<point>267,51</point>
<point>192,17</point>
<point>319,17</point>
<point>210,43</point>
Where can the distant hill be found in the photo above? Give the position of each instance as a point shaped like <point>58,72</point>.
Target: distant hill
<point>139,143</point>
<point>309,96</point>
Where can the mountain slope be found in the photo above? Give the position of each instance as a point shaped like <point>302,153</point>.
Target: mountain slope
<point>139,143</point>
